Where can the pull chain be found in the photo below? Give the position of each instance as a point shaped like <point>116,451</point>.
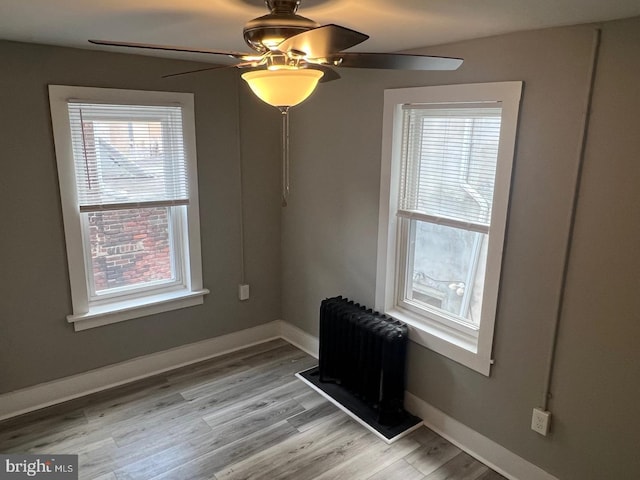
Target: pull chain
<point>285,154</point>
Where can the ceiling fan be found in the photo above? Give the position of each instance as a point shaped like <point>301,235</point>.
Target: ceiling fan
<point>291,54</point>
<point>282,39</point>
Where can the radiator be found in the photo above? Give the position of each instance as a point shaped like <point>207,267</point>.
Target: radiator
<point>364,352</point>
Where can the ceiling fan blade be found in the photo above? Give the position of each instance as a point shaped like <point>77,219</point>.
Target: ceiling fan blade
<point>322,41</point>
<point>329,73</point>
<point>216,67</point>
<point>393,61</point>
<point>150,46</point>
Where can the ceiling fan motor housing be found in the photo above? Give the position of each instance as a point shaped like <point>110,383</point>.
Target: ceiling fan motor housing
<point>267,32</point>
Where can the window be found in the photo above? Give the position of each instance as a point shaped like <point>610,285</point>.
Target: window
<point>446,171</point>
<point>127,172</point>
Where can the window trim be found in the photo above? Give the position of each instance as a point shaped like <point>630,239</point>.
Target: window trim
<point>89,314</point>
<point>466,346</point>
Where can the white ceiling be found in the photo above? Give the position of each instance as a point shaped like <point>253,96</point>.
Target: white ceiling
<point>217,24</point>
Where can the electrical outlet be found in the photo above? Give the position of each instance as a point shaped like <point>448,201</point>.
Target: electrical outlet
<point>243,291</point>
<point>540,421</point>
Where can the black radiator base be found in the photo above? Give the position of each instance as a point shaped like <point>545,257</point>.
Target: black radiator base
<point>358,409</point>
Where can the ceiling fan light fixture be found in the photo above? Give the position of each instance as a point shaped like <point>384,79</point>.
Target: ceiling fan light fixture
<point>283,87</point>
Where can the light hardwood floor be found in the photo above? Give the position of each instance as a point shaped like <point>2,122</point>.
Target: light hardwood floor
<point>240,416</point>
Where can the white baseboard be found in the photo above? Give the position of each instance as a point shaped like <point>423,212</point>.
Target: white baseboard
<point>57,391</point>
<point>475,444</point>
<point>64,389</point>
<point>299,338</point>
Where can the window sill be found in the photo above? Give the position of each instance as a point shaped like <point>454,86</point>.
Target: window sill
<point>114,312</point>
<point>456,345</point>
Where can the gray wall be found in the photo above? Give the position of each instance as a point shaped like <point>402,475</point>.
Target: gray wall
<point>597,380</point>
<point>329,241</point>
<point>36,342</point>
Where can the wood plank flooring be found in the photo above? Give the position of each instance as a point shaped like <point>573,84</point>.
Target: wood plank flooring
<point>240,416</point>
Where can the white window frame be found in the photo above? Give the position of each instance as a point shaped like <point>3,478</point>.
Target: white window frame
<point>93,312</point>
<point>470,346</point>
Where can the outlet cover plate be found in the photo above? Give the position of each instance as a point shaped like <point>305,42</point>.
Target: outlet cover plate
<point>540,421</point>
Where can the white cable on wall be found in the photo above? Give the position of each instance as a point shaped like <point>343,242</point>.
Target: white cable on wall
<point>240,180</point>
<point>595,53</point>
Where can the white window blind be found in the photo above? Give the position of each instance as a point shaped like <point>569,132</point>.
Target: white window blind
<point>128,156</point>
<point>448,169</point>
